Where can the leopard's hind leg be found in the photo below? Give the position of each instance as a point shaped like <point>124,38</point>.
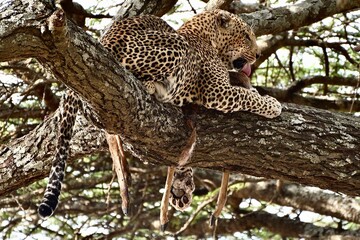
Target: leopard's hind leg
<point>221,198</point>
<point>179,184</point>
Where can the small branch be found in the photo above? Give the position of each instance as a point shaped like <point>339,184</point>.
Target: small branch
<point>202,205</point>
<point>336,105</point>
<point>291,64</point>
<point>327,69</point>
<point>303,83</point>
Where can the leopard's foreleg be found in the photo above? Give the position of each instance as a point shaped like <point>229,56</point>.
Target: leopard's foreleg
<point>179,182</point>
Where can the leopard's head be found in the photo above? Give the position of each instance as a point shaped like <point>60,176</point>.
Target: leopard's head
<point>235,41</point>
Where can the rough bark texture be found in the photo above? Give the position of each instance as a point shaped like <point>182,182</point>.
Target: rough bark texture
<point>154,7</point>
<point>304,145</point>
<point>273,21</point>
<point>28,159</point>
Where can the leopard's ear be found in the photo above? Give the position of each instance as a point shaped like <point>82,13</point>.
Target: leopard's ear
<point>223,18</point>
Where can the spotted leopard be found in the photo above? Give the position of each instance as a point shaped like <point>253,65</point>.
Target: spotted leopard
<point>190,65</point>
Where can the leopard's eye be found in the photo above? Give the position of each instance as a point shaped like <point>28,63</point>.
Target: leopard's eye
<point>247,36</point>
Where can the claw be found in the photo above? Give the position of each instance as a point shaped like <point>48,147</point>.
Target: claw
<point>212,220</point>
<point>164,220</point>
<point>164,226</point>
<point>221,198</point>
<point>125,209</point>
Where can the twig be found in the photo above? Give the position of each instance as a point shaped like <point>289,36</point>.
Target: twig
<point>194,214</point>
<point>192,8</point>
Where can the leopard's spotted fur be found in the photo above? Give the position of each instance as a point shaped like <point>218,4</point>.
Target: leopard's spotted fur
<point>186,66</point>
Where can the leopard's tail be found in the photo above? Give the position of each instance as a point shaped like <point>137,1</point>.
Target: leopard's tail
<point>57,172</point>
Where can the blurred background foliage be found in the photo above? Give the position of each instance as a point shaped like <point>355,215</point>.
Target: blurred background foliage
<point>314,65</point>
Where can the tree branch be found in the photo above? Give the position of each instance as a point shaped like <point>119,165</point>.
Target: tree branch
<point>327,104</point>
<point>28,159</point>
<point>277,20</point>
<point>303,83</point>
<point>17,112</point>
<point>284,226</point>
<point>131,8</point>
<point>303,198</point>
<point>278,41</point>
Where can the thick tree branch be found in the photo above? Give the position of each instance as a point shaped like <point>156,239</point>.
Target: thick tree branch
<point>215,4</point>
<point>304,145</point>
<point>28,158</point>
<point>14,112</point>
<point>131,8</point>
<point>277,20</point>
<point>303,198</point>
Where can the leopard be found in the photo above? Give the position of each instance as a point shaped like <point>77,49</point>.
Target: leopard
<point>191,65</point>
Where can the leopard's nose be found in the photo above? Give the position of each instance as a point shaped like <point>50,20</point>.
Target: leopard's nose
<point>239,63</point>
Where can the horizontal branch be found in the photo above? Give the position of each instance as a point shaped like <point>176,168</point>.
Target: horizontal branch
<point>25,113</point>
<point>28,159</point>
<point>303,198</point>
<point>277,20</point>
<point>283,226</point>
<point>335,46</point>
<point>303,83</point>
<point>342,105</point>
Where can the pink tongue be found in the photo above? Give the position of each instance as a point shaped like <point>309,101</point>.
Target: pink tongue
<point>246,69</point>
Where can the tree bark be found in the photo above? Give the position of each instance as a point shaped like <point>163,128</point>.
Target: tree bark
<point>28,159</point>
<point>304,145</point>
<point>131,8</point>
<point>273,21</point>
